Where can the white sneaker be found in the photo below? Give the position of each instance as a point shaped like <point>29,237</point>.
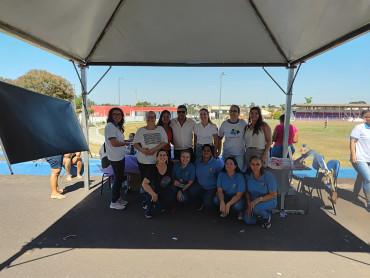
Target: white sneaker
<point>122,201</point>
<point>117,205</point>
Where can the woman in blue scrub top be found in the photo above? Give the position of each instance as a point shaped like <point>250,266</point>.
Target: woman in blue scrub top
<point>207,169</point>
<point>230,189</point>
<point>260,194</point>
<point>183,175</point>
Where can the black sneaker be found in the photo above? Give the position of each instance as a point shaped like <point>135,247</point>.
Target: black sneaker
<point>267,223</point>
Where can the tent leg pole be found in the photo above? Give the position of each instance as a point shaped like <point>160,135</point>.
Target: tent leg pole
<point>85,128</point>
<point>6,157</point>
<point>288,110</point>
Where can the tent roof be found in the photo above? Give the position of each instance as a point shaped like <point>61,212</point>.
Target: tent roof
<point>186,33</point>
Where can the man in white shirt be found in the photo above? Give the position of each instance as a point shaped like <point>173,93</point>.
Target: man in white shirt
<point>182,129</point>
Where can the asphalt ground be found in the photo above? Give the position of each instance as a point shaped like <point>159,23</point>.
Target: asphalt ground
<point>81,237</point>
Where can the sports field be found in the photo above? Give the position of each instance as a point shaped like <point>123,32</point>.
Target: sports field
<point>331,142</point>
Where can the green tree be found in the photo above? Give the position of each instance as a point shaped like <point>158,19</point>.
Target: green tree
<point>276,115</point>
<point>143,104</point>
<point>282,107</point>
<point>358,102</point>
<point>46,83</point>
<point>79,102</point>
<point>308,100</point>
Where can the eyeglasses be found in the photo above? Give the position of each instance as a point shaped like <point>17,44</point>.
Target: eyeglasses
<point>230,164</point>
<point>234,111</point>
<point>257,164</point>
<point>181,112</point>
<point>117,114</point>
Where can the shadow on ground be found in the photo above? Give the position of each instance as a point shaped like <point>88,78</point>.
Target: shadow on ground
<point>91,224</point>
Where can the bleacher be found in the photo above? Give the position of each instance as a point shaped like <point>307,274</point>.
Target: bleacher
<point>317,116</point>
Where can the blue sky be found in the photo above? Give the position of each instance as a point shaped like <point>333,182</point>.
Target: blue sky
<point>340,75</point>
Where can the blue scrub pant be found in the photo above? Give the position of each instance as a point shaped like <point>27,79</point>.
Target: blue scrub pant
<point>185,194</point>
<point>199,194</point>
<point>237,207</point>
<point>260,210</point>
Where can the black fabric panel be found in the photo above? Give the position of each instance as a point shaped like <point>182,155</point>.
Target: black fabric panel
<point>34,125</point>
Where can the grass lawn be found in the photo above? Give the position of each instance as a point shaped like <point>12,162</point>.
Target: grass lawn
<point>332,142</point>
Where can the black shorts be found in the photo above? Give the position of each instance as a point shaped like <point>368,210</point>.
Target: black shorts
<point>55,161</point>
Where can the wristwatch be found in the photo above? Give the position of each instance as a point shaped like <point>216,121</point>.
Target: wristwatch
<point>260,199</point>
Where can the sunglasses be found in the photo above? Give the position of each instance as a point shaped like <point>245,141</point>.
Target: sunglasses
<point>181,112</point>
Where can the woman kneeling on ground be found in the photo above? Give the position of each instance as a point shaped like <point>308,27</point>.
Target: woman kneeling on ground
<point>183,176</point>
<point>207,169</point>
<point>260,194</point>
<point>230,189</point>
<point>156,186</point>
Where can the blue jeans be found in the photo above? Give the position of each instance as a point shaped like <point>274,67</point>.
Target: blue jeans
<point>237,207</point>
<point>199,194</point>
<point>260,209</point>
<point>166,198</point>
<point>118,170</point>
<point>239,159</point>
<point>277,151</point>
<point>363,178</point>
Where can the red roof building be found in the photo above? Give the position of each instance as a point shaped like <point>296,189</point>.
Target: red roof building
<point>102,111</point>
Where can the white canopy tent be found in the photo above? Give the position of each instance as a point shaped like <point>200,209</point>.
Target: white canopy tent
<point>192,33</point>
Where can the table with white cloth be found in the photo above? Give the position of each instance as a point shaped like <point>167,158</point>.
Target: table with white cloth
<point>282,174</point>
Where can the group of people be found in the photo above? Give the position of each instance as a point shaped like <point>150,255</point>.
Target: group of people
<point>195,172</point>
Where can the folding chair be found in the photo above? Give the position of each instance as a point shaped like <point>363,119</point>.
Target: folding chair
<point>107,173</point>
<point>301,175</point>
<point>316,183</point>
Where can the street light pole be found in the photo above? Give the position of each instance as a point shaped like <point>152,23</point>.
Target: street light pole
<point>219,103</point>
<point>119,90</point>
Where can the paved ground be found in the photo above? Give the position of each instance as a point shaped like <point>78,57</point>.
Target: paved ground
<point>81,237</point>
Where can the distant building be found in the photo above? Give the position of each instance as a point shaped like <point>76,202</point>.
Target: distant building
<point>132,113</point>
<point>330,112</point>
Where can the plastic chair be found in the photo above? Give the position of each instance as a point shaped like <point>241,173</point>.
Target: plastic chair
<point>107,173</point>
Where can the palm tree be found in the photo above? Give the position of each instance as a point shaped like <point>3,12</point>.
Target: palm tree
<point>308,100</point>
